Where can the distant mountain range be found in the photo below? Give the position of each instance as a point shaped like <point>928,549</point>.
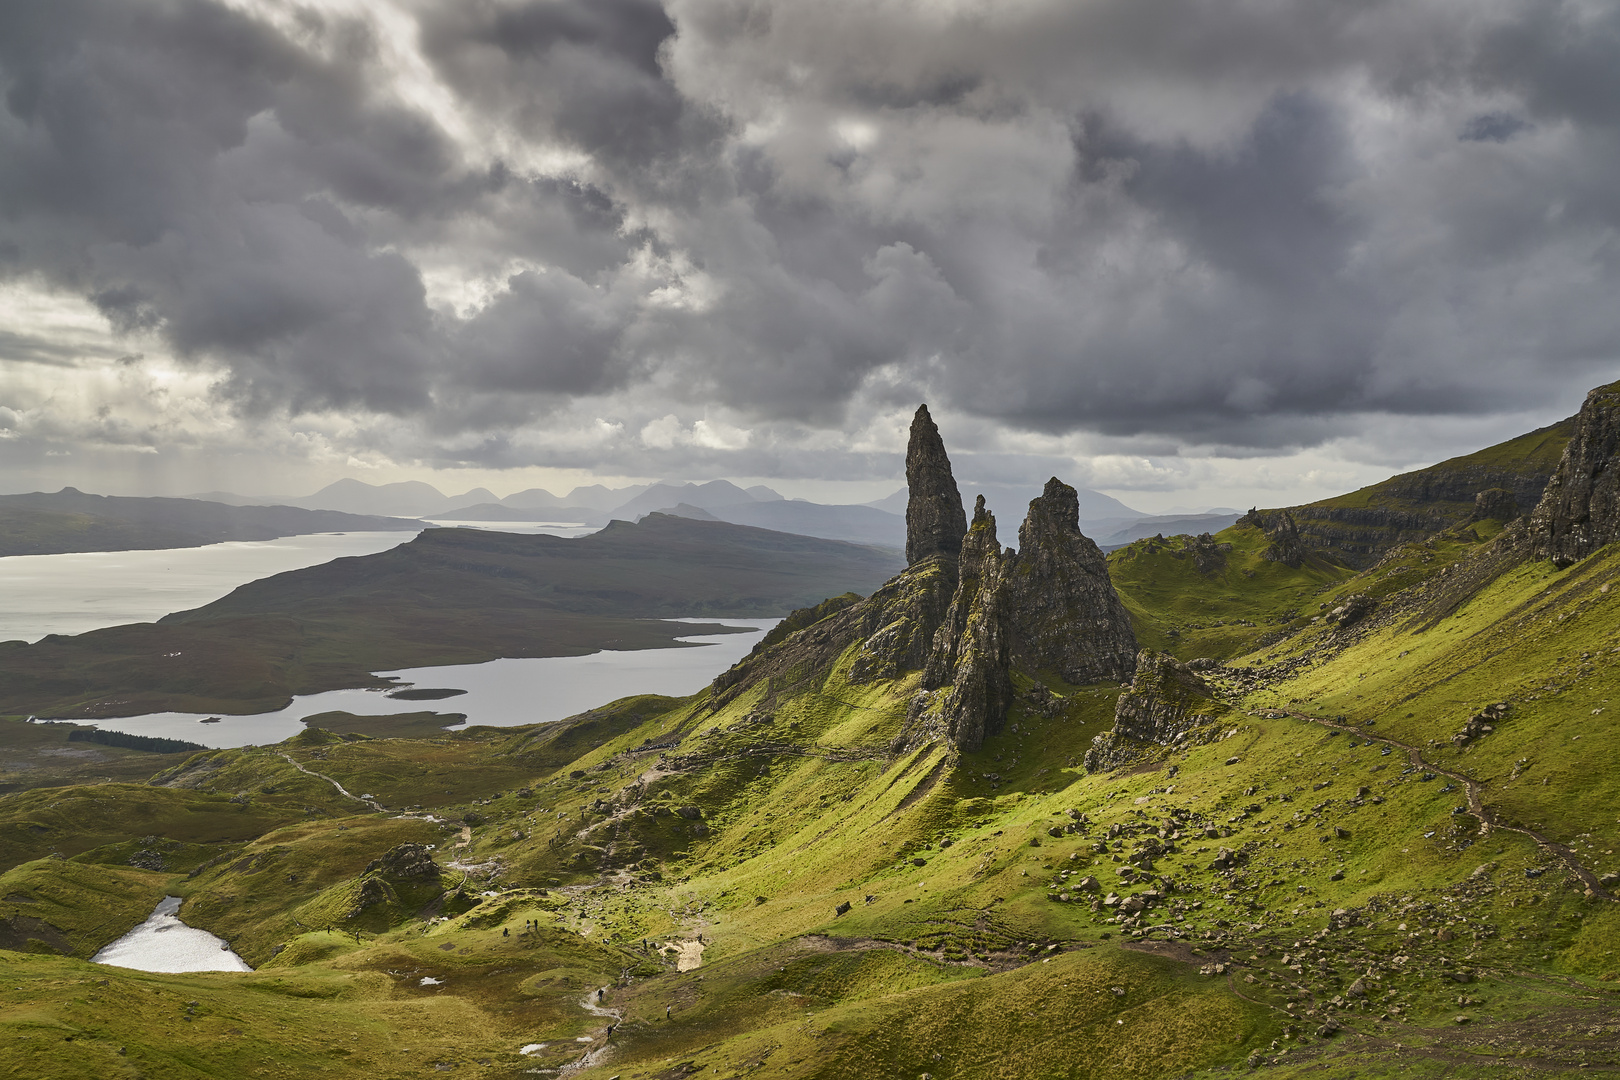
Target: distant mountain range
<point>881,522</point>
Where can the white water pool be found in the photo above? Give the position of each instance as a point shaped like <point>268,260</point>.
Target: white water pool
<point>164,943</point>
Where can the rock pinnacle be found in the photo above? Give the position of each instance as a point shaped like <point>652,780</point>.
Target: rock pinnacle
<point>935,520</point>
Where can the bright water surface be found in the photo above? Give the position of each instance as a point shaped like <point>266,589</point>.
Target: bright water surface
<point>164,943</point>
<point>501,693</point>
<point>80,591</point>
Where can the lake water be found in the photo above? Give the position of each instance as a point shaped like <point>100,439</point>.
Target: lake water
<point>80,591</point>
<point>501,693</point>
<point>164,943</point>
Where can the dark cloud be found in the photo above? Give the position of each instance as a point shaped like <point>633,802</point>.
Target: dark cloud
<point>1163,222</point>
<point>1492,127</point>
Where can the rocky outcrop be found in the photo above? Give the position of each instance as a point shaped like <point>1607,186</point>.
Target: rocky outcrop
<point>1580,510</point>
<point>1280,527</point>
<point>1167,704</point>
<point>1495,504</point>
<point>935,522</point>
<point>970,658</point>
<point>899,621</point>
<point>963,617</point>
<point>406,862</point>
<point>1063,614</point>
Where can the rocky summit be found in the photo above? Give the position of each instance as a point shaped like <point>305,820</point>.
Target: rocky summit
<point>966,618</point>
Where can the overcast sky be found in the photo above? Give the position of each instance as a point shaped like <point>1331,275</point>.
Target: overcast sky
<point>1194,253</point>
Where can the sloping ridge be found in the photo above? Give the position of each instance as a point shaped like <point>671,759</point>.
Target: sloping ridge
<point>1358,528</point>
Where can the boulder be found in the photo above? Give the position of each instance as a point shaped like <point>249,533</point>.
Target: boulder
<point>406,862</point>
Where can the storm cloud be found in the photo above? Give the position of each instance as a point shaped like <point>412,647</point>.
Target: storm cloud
<point>737,234</point>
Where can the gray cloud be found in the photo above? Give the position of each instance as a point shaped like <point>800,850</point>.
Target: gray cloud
<point>1168,223</point>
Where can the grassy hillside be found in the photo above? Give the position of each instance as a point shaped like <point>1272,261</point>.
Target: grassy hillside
<point>691,863</point>
<point>1389,852</point>
<point>1218,599</point>
<point>451,596</point>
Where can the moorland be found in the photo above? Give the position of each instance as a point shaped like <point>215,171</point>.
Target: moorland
<point>1315,795</point>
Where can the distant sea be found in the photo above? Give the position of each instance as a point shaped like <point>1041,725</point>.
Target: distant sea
<point>72,593</point>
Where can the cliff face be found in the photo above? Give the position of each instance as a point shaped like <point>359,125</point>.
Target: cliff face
<point>1580,510</point>
<point>1358,529</point>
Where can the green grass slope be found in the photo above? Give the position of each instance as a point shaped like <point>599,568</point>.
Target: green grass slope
<point>668,887</point>
<point>1195,599</point>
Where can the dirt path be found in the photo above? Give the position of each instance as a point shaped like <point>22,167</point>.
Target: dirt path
<point>345,792</point>
<point>595,1054</point>
<point>1476,805</point>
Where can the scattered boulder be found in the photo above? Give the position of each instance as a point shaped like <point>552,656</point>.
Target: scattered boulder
<point>405,862</point>
<point>1352,610</point>
<point>1481,723</point>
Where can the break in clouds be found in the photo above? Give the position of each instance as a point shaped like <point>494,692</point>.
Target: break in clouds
<point>745,235</point>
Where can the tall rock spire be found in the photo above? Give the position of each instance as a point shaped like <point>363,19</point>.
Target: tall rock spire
<point>935,521</point>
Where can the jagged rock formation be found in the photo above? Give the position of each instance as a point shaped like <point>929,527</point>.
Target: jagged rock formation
<point>964,617</point>
<point>1047,607</point>
<point>970,655</point>
<point>1580,511</point>
<point>1167,703</point>
<point>1279,525</point>
<point>1062,612</point>
<point>406,862</point>
<point>935,522</point>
